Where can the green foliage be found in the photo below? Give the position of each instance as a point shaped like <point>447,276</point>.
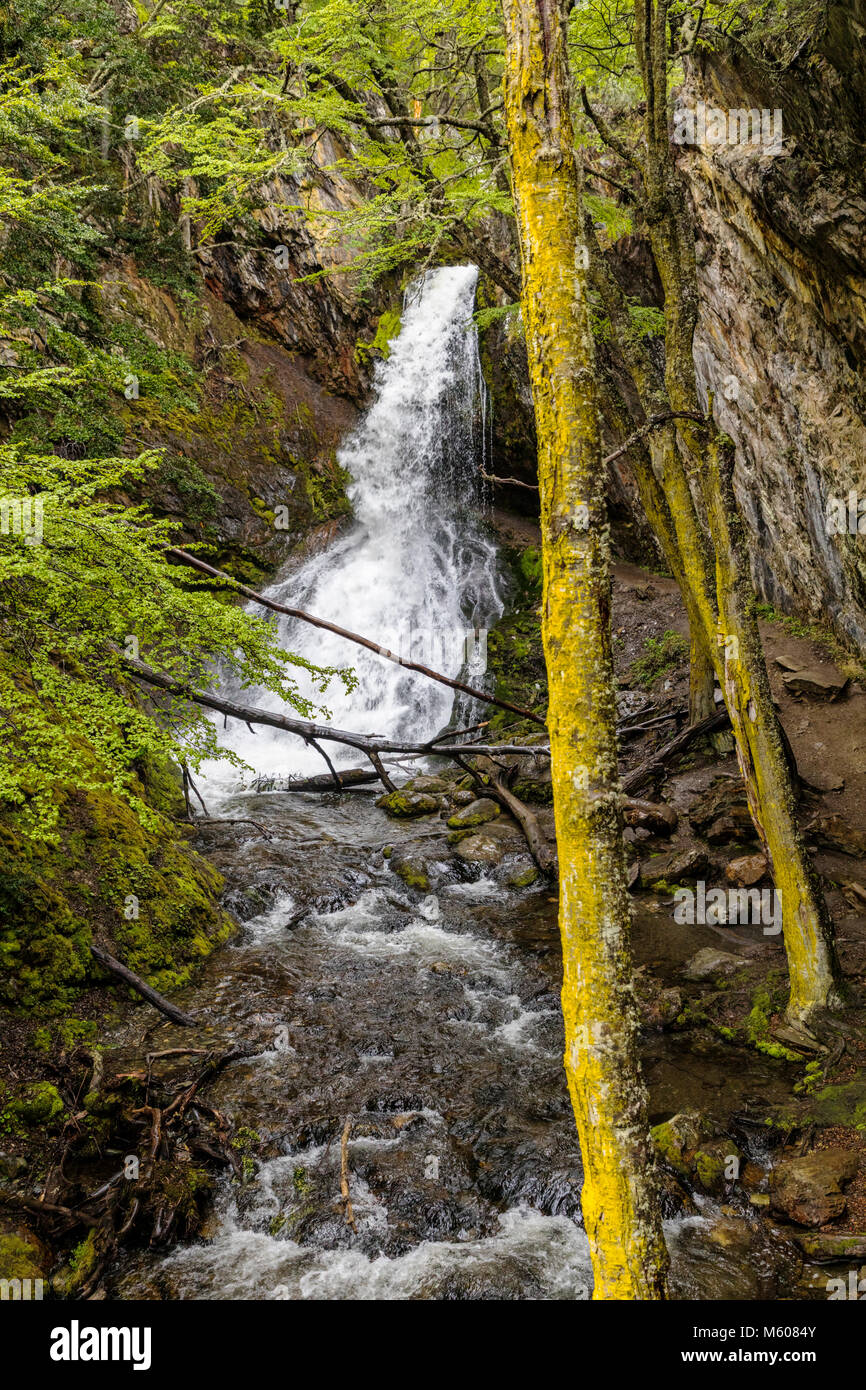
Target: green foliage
<point>661,656</point>
<point>95,589</point>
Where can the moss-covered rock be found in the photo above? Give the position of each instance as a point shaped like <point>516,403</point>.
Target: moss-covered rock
<point>38,1104</point>
<point>143,889</point>
<point>476,813</point>
<point>404,805</point>
<point>22,1256</point>
<point>412,870</point>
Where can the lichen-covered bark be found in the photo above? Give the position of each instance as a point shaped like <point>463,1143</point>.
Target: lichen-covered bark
<point>619,1199</point>
<point>692,463</point>
<point>808,933</point>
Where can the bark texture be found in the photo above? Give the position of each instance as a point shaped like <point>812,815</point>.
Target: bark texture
<point>620,1205</point>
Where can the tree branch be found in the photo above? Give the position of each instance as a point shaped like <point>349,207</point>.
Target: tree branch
<point>298,613</point>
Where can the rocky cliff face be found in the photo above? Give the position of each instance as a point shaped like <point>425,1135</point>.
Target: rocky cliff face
<point>782,335</point>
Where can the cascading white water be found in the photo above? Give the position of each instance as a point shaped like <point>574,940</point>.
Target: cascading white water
<point>414,573</point>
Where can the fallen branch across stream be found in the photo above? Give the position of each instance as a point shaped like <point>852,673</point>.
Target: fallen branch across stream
<point>185,558</point>
<point>308,731</point>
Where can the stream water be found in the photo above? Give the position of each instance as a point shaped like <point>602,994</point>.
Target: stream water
<point>432,1020</point>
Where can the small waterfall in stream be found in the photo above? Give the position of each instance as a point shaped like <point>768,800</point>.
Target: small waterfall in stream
<point>414,572</point>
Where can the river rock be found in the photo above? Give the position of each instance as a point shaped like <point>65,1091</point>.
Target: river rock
<point>413,871</point>
<point>808,1190</point>
<point>403,804</point>
<point>520,872</point>
<point>462,797</point>
<point>747,870</point>
<point>424,783</point>
<point>822,1246</point>
<point>476,813</point>
<point>710,961</point>
<point>690,1144</point>
<point>490,845</point>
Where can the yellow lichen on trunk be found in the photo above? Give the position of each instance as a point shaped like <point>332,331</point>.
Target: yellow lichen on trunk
<point>620,1206</point>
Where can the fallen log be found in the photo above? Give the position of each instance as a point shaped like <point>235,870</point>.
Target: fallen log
<point>324,782</point>
<point>129,977</point>
<point>659,760</point>
<point>309,731</point>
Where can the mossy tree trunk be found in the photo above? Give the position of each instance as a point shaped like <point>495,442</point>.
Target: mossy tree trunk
<point>620,1203</point>
<point>693,463</point>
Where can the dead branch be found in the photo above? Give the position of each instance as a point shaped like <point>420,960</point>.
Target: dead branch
<point>306,730</point>
<point>542,851</point>
<point>193,560</point>
<point>385,779</point>
<point>657,763</point>
<point>123,972</point>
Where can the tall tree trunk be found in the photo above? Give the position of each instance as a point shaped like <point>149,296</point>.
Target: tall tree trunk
<point>620,1202</point>
<point>706,462</point>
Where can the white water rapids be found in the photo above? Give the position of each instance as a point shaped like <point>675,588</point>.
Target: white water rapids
<point>413,573</point>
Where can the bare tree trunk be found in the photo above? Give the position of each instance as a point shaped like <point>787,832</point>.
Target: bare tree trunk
<point>620,1202</point>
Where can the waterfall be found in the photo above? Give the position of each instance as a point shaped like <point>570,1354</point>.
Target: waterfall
<point>414,572</point>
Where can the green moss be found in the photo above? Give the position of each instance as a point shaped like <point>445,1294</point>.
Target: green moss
<point>844,1104</point>
<point>38,1103</point>
<point>387,328</point>
<point>413,874</point>
<point>19,1258</point>
<point>405,805</point>
<point>78,1268</point>
<point>144,890</point>
<point>326,486</point>
<point>524,877</point>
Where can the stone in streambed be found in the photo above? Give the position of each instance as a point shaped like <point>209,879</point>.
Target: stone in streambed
<point>476,813</point>
<point>808,1190</point>
<point>827,1246</point>
<point>413,871</point>
<point>490,845</point>
<point>462,797</point>
<point>403,804</point>
<point>521,872</point>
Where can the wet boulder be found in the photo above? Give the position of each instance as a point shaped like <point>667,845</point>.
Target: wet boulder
<point>413,870</point>
<point>476,813</point>
<point>404,804</point>
<point>808,1190</point>
<point>490,844</point>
